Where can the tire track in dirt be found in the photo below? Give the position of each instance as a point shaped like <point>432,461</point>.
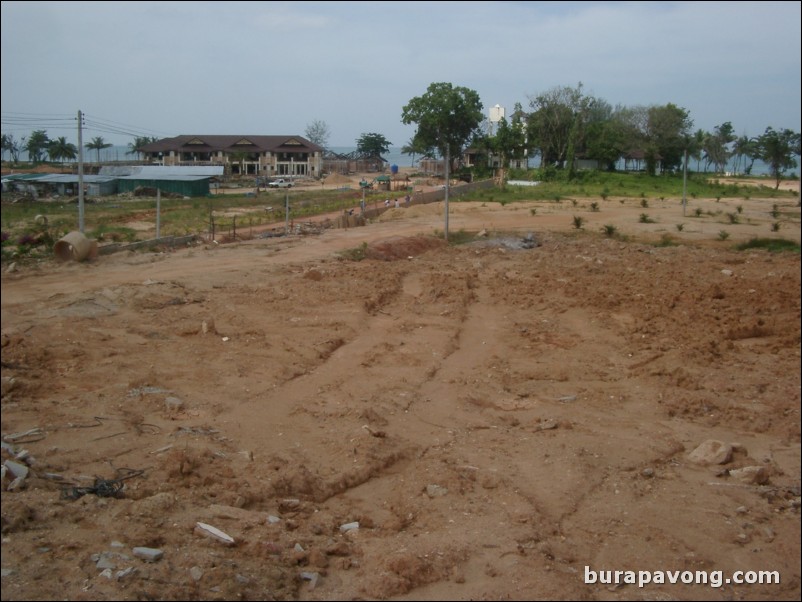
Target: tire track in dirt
<point>387,343</point>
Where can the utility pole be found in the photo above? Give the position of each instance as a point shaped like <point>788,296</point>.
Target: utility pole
<point>448,160</point>
<point>80,173</point>
<point>684,183</point>
<point>158,213</point>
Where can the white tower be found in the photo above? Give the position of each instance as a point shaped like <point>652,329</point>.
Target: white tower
<point>495,114</point>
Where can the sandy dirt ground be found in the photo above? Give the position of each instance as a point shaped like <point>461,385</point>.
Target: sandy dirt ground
<point>269,419</point>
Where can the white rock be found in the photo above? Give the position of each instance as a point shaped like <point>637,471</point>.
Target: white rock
<point>349,526</point>
<point>214,533</point>
<point>711,451</point>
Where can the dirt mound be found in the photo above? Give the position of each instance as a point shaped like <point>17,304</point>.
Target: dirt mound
<point>337,178</point>
<point>401,247</point>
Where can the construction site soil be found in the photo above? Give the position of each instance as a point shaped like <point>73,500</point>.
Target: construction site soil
<point>507,419</point>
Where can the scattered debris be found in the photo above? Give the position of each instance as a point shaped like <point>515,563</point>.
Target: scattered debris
<point>101,487</point>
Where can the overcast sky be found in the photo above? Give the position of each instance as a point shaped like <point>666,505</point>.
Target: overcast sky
<point>169,68</point>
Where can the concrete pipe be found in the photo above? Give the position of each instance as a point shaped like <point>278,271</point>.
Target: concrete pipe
<point>75,246</point>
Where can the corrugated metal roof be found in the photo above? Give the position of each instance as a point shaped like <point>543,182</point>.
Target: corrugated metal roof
<point>57,178</point>
<point>163,177</point>
<point>157,172</point>
<point>21,176</point>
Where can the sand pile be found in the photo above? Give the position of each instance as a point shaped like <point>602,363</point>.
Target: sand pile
<point>337,178</point>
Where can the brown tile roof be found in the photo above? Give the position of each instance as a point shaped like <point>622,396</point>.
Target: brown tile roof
<point>214,143</point>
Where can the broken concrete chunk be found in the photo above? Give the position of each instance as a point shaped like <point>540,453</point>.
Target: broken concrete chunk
<point>751,475</point>
<point>17,469</point>
<point>711,451</point>
<point>148,554</point>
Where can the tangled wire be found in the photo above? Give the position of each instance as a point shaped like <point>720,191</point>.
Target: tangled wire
<point>101,487</point>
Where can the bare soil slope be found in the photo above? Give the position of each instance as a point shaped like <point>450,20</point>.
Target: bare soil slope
<point>495,418</point>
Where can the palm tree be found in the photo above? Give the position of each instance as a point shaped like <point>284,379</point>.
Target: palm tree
<point>36,144</point>
<point>97,144</point>
<point>745,148</point>
<point>139,142</point>
<point>6,144</point>
<point>412,148</point>
<point>60,149</point>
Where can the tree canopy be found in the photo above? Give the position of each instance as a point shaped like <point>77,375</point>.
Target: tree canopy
<point>37,145</point>
<point>447,118</point>
<point>97,144</point>
<point>777,150</point>
<point>372,145</point>
<point>318,132</point>
<point>59,150</point>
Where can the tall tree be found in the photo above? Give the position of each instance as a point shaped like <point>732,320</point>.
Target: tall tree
<point>412,148</point>
<point>11,145</point>
<point>59,150</point>
<point>554,122</point>
<point>447,118</point>
<point>318,132</point>
<point>97,144</point>
<point>37,145</point>
<point>696,144</point>
<point>777,150</point>
<point>667,132</point>
<point>138,143</point>
<point>607,136</point>
<point>372,145</point>
<point>716,146</point>
<point>749,149</point>
<point>509,141</point>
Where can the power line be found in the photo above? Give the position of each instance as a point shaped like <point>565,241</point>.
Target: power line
<point>21,122</point>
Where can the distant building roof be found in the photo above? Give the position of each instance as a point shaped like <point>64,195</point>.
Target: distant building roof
<point>232,144</point>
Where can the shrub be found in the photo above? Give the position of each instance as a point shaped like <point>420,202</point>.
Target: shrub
<point>609,230</point>
<point>723,235</point>
<point>578,221</point>
<point>594,206</point>
<point>773,245</point>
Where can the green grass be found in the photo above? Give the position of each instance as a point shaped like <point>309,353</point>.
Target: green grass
<point>773,245</point>
<point>553,185</point>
